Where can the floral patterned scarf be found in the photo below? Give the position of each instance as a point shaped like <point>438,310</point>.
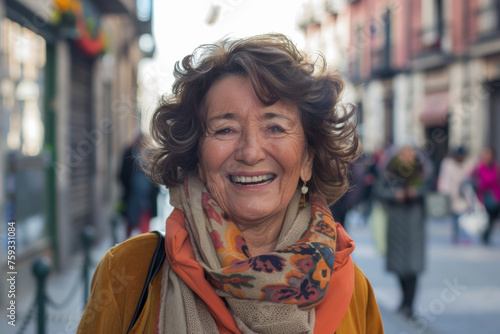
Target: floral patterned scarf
<point>294,278</point>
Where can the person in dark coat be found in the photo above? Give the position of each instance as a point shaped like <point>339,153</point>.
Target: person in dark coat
<point>139,193</point>
<point>403,184</point>
<point>354,195</point>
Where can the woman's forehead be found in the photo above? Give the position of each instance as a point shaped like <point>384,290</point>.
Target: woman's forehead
<point>233,95</point>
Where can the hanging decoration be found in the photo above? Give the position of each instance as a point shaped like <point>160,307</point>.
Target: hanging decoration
<point>78,23</point>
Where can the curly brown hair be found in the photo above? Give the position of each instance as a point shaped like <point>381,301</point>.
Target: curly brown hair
<point>277,71</point>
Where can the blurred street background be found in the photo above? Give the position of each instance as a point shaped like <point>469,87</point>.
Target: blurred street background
<point>79,80</point>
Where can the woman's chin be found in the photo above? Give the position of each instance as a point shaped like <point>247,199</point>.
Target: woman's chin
<point>255,212</point>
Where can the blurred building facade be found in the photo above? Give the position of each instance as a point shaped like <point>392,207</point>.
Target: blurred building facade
<point>424,71</point>
<point>68,107</point>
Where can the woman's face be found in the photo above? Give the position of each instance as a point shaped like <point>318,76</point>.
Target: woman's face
<point>252,155</point>
<point>487,155</point>
<point>407,154</point>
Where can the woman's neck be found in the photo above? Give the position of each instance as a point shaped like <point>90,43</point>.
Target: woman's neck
<point>261,238</point>
<point>488,164</point>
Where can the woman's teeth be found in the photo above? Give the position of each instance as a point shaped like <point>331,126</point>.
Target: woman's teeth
<point>252,180</point>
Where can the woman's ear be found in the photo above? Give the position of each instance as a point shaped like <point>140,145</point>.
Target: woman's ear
<point>307,166</point>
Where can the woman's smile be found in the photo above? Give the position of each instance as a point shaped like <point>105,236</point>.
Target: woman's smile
<point>251,181</point>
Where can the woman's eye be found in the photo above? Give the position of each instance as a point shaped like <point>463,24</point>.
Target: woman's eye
<point>276,129</point>
<point>224,131</point>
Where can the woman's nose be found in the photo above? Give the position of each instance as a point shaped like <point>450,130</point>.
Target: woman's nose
<point>250,149</point>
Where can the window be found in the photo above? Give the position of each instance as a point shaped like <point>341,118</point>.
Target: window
<point>22,90</point>
<point>432,24</point>
<point>488,17</point>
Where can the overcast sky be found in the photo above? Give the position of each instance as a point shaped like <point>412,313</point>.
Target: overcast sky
<point>180,26</point>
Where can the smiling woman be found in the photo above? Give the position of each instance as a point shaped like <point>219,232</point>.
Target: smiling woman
<point>253,145</point>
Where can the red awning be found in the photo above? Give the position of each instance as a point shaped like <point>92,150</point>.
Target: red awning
<point>435,109</point>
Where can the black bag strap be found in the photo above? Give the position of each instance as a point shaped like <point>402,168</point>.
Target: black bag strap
<point>155,265</point>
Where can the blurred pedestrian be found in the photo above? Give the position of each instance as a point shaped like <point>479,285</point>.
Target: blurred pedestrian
<point>369,178</point>
<point>139,193</point>
<point>486,176</point>
<point>455,170</point>
<point>401,189</point>
<point>353,196</point>
<point>339,209</point>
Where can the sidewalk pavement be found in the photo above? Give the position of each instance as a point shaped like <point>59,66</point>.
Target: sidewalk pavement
<point>459,292</point>
<point>65,288</point>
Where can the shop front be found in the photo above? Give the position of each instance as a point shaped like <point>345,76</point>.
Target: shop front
<point>26,152</point>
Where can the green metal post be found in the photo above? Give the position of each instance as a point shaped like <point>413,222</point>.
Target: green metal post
<point>41,269</point>
<point>50,147</point>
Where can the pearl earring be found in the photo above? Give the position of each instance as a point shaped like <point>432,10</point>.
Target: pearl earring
<point>304,188</point>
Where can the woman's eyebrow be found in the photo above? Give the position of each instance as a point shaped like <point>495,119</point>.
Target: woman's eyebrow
<point>268,115</point>
<point>227,115</point>
<point>271,115</point>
